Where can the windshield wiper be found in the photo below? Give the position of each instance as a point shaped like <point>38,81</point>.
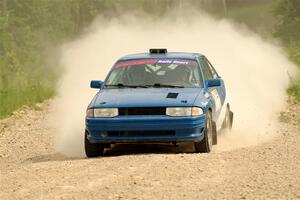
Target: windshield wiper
<point>156,85</point>
<point>159,85</point>
<point>121,85</point>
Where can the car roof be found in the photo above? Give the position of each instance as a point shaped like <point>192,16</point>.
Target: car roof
<point>179,55</point>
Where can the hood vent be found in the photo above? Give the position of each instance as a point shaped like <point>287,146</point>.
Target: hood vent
<point>172,95</point>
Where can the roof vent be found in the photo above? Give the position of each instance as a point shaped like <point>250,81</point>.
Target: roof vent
<point>158,51</point>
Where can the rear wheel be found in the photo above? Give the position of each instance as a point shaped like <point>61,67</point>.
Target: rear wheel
<point>205,145</point>
<point>91,149</point>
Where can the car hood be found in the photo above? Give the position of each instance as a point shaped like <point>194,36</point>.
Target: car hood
<point>148,97</point>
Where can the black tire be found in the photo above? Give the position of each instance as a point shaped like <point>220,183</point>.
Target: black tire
<point>205,145</point>
<point>92,150</point>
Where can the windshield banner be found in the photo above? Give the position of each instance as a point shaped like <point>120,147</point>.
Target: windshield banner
<point>155,61</point>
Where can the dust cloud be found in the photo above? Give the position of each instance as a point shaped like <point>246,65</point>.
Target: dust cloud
<point>255,71</point>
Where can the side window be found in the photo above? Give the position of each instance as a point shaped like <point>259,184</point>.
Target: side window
<point>212,69</point>
<point>206,70</point>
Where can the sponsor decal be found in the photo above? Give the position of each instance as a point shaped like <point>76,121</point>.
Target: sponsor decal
<point>164,61</point>
<point>180,62</point>
<point>155,61</point>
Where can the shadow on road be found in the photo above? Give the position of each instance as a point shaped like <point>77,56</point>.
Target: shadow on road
<point>129,149</point>
<point>121,150</point>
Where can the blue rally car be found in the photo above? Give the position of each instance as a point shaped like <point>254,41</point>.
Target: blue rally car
<point>158,97</point>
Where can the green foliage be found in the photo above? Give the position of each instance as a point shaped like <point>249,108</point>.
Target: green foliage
<point>288,13</point>
<point>29,29</point>
<point>294,52</point>
<point>288,30</point>
<point>294,91</point>
<point>12,99</point>
<point>257,15</point>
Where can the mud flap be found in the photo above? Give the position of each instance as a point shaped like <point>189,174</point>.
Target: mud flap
<point>215,133</point>
<point>231,119</point>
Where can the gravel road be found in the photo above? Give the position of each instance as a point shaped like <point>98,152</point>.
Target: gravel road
<point>31,169</point>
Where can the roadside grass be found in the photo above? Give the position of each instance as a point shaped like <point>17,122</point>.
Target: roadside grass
<point>294,89</point>
<point>283,118</point>
<point>14,98</point>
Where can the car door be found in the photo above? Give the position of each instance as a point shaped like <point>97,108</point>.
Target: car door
<point>218,93</point>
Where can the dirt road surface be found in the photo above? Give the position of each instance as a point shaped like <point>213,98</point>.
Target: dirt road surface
<point>31,169</point>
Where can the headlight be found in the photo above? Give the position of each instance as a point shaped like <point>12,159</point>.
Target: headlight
<point>102,112</point>
<point>184,111</point>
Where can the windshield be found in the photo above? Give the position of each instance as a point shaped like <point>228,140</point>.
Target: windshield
<point>155,73</point>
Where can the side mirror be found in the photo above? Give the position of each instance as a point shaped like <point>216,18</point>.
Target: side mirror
<point>96,84</point>
<point>213,83</point>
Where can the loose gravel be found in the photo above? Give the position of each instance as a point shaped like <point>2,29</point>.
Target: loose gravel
<point>30,168</point>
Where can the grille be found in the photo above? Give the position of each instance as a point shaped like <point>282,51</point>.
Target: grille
<point>140,133</point>
<point>143,111</point>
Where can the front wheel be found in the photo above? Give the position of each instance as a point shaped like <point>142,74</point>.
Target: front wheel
<point>91,149</point>
<point>205,145</point>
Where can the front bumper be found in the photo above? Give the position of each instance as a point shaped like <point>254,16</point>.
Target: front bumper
<point>182,129</point>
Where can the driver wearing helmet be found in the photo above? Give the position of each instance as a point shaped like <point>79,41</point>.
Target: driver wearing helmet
<point>136,75</point>
<point>183,75</point>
